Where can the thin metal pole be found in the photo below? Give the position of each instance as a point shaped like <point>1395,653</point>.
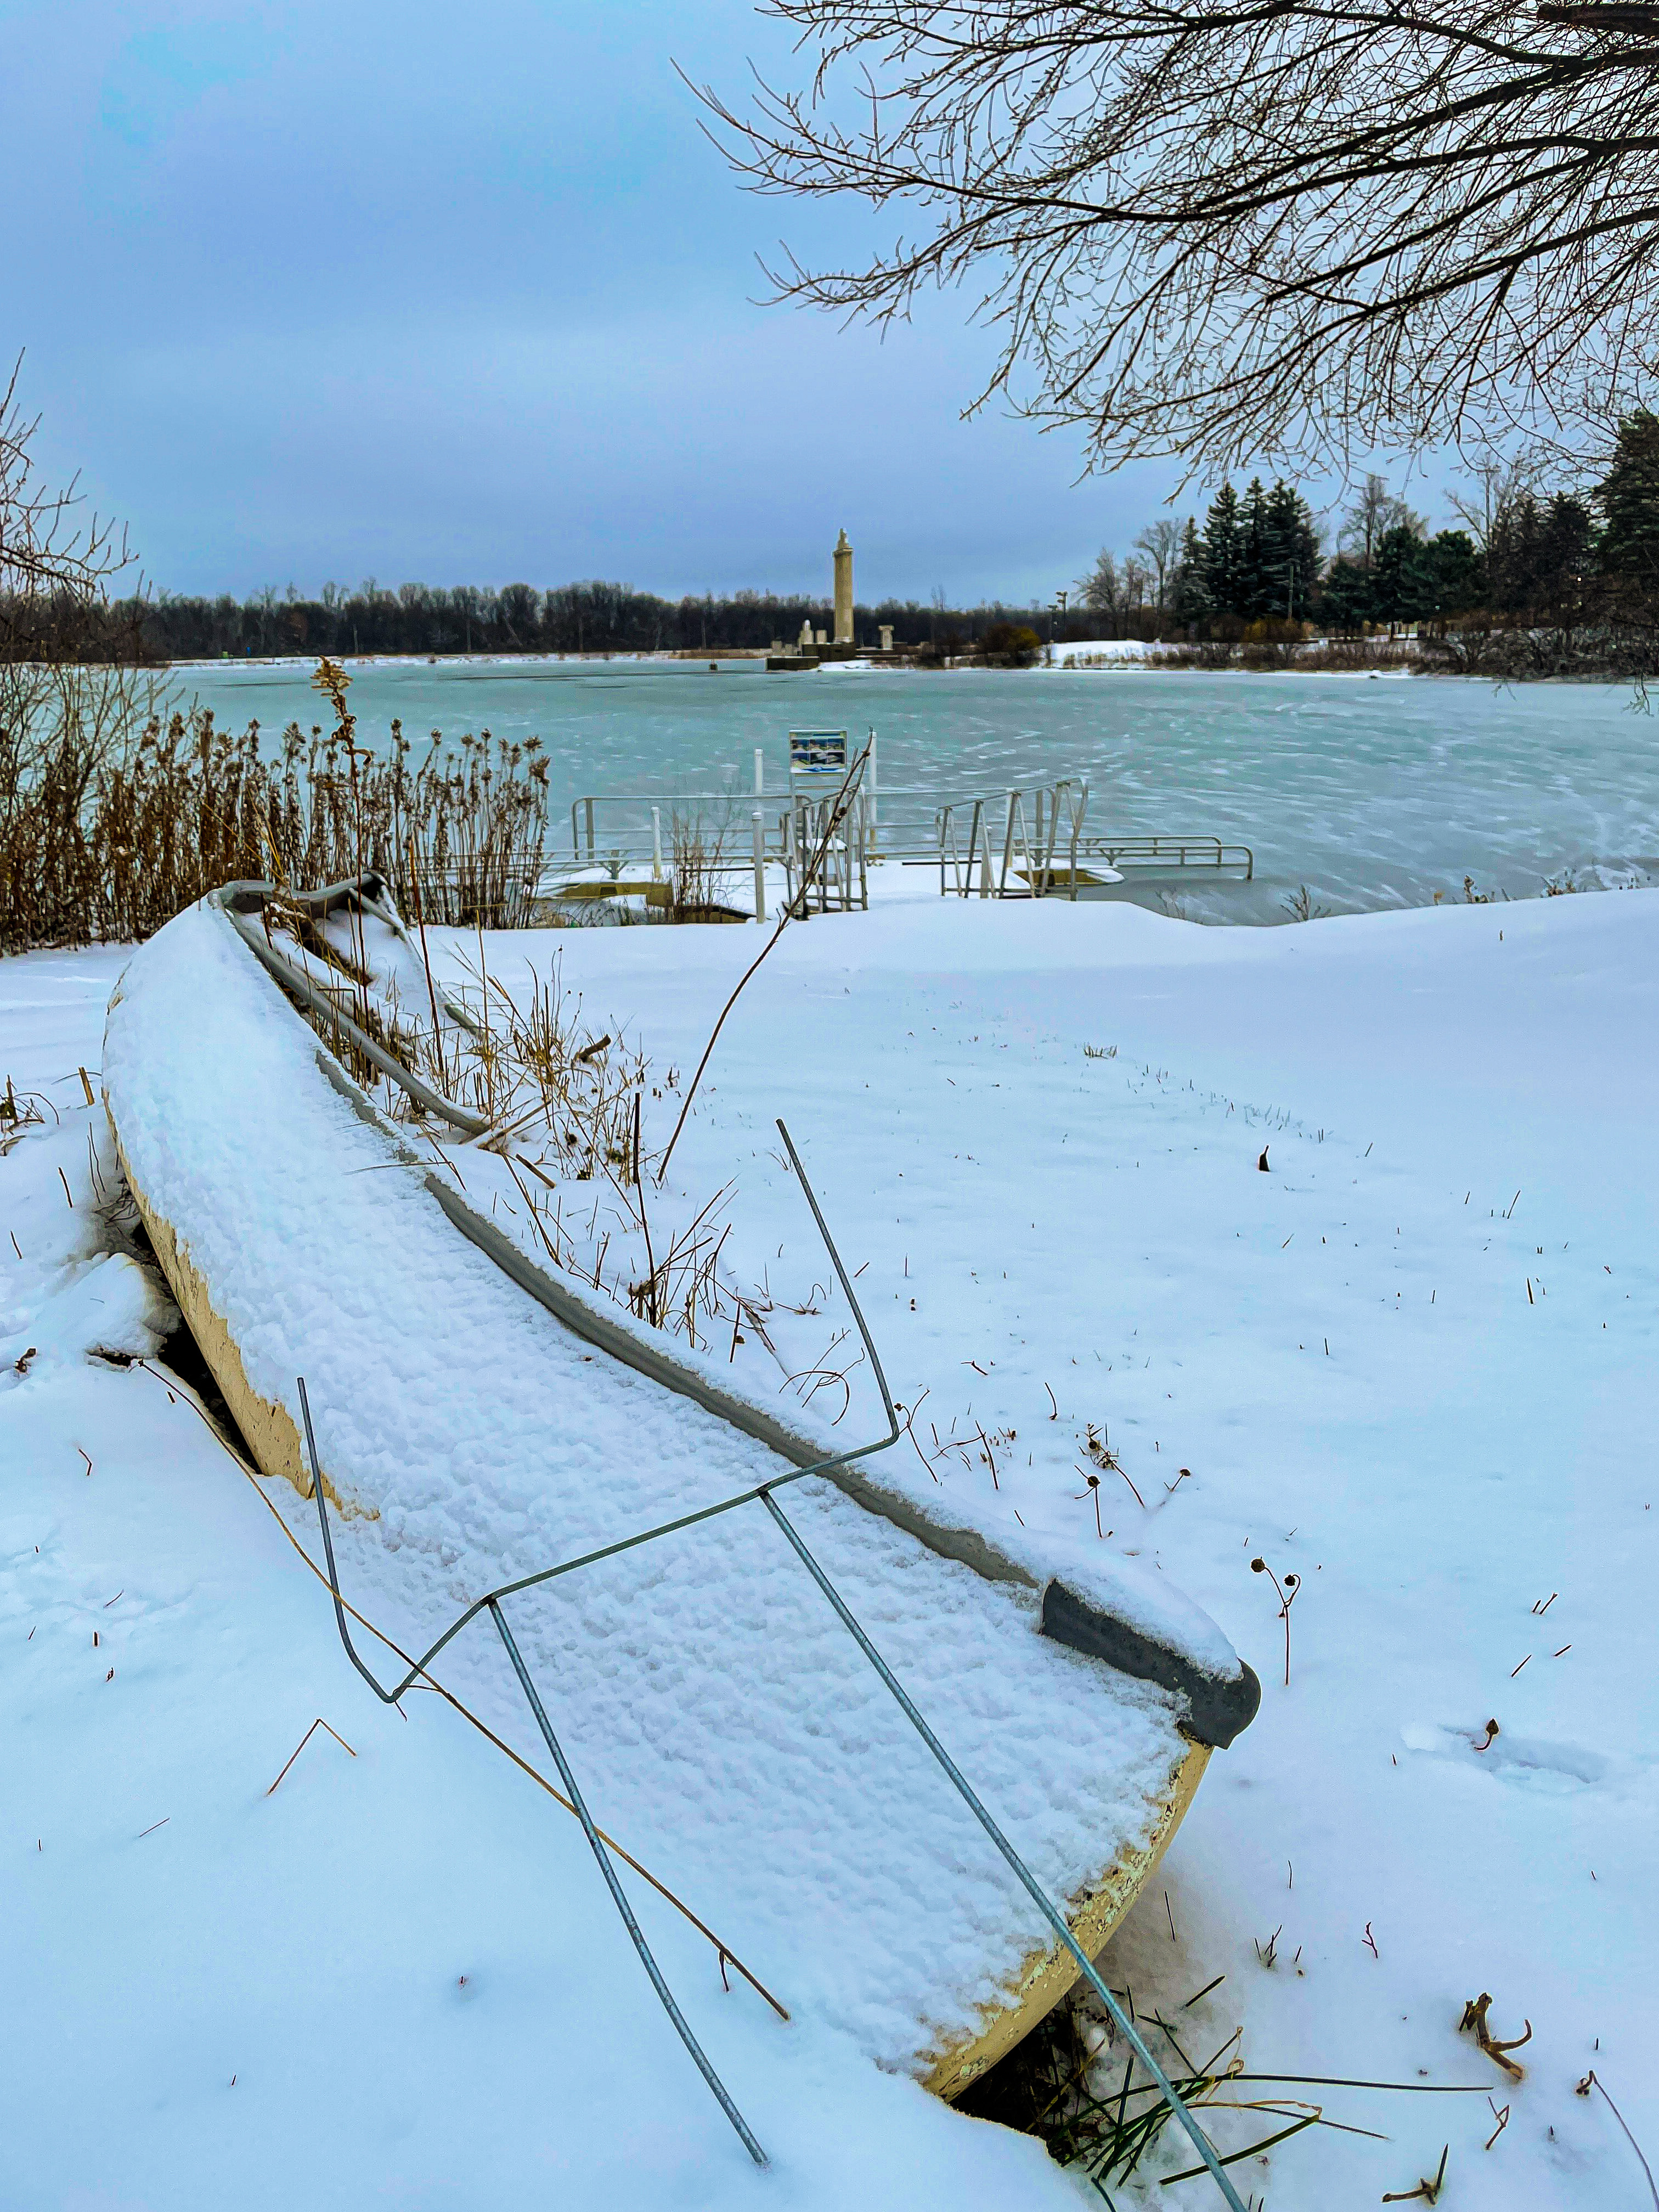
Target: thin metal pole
<point>589,804</point>
<point>758,826</point>
<point>618,1897</point>
<point>328,1547</point>
<point>1039,1896</point>
<point>565,1566</point>
<point>851,1297</point>
<point>656,844</point>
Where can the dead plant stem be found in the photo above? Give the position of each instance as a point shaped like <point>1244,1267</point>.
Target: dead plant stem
<point>838,813</point>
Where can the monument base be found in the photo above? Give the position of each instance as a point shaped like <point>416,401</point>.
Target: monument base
<point>896,656</point>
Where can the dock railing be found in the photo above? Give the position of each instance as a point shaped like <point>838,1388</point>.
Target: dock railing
<point>1024,842</point>
<point>621,844</point>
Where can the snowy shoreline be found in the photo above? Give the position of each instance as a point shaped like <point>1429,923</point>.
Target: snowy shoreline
<point>1080,659</point>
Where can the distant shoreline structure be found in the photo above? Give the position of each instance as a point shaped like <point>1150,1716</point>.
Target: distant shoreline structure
<point>1108,656</point>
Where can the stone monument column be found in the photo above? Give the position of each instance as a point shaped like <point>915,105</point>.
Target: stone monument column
<point>843,591</point>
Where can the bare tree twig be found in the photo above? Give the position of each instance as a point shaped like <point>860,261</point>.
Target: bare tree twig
<point>840,808</point>
<point>1225,228</point>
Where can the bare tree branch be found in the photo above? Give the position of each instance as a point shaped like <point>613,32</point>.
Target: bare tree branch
<point>1292,228</point>
<point>54,563</point>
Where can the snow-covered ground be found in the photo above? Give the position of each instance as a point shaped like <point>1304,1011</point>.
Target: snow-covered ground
<point>1097,652</point>
<point>1138,652</point>
<point>1412,1363</point>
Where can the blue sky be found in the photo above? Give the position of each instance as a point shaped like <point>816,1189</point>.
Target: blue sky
<point>461,293</point>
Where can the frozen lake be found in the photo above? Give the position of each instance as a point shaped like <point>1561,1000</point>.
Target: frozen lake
<point>1374,792</point>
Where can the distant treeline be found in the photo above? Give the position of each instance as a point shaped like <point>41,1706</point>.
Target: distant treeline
<point>1532,557</point>
<point>1542,578</point>
<point>589,617</point>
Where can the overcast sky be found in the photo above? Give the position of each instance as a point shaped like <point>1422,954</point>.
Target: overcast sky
<point>316,290</point>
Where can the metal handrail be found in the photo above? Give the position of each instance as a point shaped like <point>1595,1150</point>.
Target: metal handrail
<point>1213,852</point>
<point>584,803</point>
<point>1039,844</point>
<point>1036,820</point>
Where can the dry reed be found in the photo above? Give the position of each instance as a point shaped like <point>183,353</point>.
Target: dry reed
<point>118,809</point>
<point>1097,2112</point>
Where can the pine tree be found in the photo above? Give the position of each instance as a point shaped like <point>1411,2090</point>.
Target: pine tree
<point>1628,496</point>
<point>1222,556</point>
<point>1455,579</point>
<point>1566,552</point>
<point>1292,564</point>
<point>1189,598</point>
<point>1255,552</point>
<point>1512,554</point>
<point>1401,581</point>
<point>1346,599</point>
<point>1540,556</point>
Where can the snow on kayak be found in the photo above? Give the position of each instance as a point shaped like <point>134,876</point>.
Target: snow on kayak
<point>716,1712</point>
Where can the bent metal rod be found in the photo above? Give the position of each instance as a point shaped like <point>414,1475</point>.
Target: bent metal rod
<point>762,1491</point>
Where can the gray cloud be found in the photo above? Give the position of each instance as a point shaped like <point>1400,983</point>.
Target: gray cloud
<point>421,292</point>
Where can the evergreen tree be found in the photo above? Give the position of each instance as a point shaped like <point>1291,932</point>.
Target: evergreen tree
<point>1189,599</point>
<point>1401,580</point>
<point>1222,562</point>
<point>1455,577</point>
<point>1566,555</point>
<point>1628,496</point>
<point>1346,599</point>
<point>1255,578</point>
<point>1512,554</point>
<point>1538,557</point>
<point>1291,565</point>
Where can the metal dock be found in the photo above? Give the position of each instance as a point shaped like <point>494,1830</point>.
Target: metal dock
<point>709,852</point>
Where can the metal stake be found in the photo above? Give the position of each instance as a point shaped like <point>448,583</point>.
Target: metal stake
<point>1039,1896</point>
<point>618,1897</point>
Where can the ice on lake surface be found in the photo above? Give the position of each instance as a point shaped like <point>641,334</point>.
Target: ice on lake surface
<point>1373,792</point>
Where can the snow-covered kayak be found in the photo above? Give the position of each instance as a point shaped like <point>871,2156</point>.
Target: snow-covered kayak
<point>475,1424</point>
